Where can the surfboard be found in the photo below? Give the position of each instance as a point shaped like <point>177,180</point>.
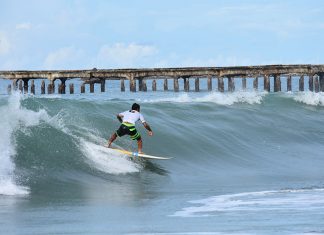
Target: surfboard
<point>141,155</point>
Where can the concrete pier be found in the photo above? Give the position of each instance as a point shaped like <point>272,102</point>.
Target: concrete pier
<point>236,78</point>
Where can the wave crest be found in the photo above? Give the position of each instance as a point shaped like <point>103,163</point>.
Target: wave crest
<point>14,117</point>
<point>252,97</point>
<point>310,98</point>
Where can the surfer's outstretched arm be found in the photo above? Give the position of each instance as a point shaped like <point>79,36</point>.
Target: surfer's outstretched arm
<point>147,127</point>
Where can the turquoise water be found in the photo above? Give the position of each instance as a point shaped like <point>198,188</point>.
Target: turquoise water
<point>243,163</point>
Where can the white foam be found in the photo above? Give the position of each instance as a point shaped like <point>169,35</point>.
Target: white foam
<point>310,98</point>
<point>12,117</point>
<point>9,188</point>
<point>312,199</point>
<point>107,160</point>
<point>249,97</point>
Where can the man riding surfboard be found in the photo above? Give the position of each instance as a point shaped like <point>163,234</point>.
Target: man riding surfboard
<point>128,120</point>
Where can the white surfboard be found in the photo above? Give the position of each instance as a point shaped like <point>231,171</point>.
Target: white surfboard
<point>141,155</point>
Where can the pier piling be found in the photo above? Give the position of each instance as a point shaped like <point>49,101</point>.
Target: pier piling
<point>310,83</point>
<point>243,83</point>
<point>277,83</point>
<point>25,86</point>
<point>220,84</point>
<point>82,88</point>
<point>256,83</point>
<point>20,86</point>
<point>32,87</point>
<point>231,85</point>
<point>154,85</point>
<point>165,84</point>
<point>316,84</point>
<point>71,86</point>
<point>186,84</point>
<point>266,83</point>
<point>196,84</point>
<point>50,88</point>
<point>301,83</point>
<point>321,82</point>
<point>289,83</point>
<point>43,87</point>
<point>103,85</point>
<point>140,84</point>
<point>209,83</point>
<point>122,85</point>
<point>176,84</point>
<point>132,85</point>
<point>144,85</point>
<point>62,87</point>
<point>91,87</point>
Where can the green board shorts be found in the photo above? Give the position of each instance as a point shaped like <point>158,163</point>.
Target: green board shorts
<point>128,129</point>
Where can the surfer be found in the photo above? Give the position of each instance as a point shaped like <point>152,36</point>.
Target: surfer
<point>128,119</point>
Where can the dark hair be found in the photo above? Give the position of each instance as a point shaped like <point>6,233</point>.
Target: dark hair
<point>136,107</point>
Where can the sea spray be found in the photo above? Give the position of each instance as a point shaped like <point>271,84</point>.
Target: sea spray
<point>249,97</point>
<point>13,117</point>
<point>310,98</point>
<point>107,160</point>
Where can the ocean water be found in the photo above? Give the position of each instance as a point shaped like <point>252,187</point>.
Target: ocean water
<point>243,163</point>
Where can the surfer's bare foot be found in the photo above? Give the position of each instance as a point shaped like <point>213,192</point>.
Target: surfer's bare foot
<point>108,145</point>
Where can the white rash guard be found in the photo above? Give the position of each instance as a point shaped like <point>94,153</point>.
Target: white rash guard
<point>132,116</point>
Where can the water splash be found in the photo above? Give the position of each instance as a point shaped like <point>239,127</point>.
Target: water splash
<point>215,97</point>
<point>107,160</point>
<point>310,98</point>
<point>12,118</point>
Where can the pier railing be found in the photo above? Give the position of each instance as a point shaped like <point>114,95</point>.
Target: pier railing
<point>269,75</point>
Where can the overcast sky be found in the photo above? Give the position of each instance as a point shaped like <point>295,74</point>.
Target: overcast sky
<point>83,34</point>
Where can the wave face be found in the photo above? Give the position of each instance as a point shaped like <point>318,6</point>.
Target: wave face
<point>246,131</point>
<point>232,152</point>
